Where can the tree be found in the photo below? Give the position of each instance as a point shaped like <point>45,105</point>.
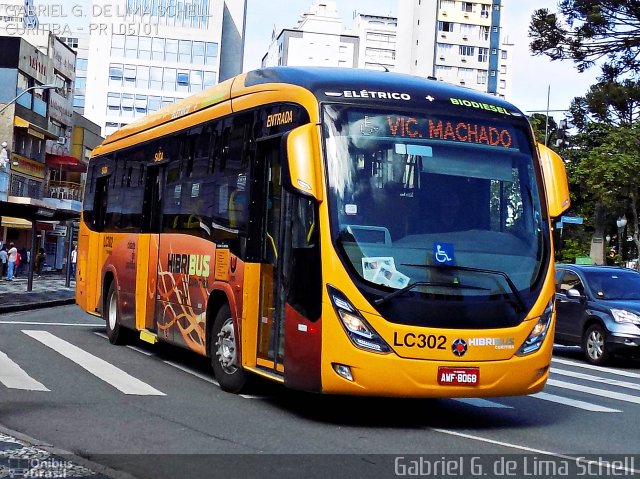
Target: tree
<point>614,103</point>
<point>606,31</point>
<point>610,171</point>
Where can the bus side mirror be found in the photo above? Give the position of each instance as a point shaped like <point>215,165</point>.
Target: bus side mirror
<point>555,181</point>
<point>303,160</point>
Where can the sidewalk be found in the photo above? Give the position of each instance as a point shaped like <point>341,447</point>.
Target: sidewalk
<point>48,290</point>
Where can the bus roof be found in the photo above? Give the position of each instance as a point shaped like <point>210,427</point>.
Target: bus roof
<point>331,84</point>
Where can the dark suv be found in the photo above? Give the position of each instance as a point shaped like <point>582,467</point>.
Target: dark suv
<point>598,308</point>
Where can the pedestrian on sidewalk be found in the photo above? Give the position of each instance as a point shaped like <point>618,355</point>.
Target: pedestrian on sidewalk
<point>40,259</point>
<point>4,258</point>
<point>23,262</point>
<point>74,257</point>
<point>12,255</point>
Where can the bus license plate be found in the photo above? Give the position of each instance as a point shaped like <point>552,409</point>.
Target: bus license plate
<point>451,376</point>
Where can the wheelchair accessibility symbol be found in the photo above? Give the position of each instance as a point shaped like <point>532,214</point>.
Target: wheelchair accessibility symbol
<point>443,253</point>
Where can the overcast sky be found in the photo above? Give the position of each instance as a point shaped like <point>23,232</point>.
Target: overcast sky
<point>531,78</point>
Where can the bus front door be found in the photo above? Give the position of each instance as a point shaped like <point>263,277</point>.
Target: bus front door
<point>270,347</point>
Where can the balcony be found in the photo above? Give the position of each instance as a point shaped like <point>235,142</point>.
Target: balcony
<point>64,190</point>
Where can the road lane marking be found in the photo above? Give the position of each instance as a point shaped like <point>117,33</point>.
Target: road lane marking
<point>587,406</point>
<point>193,372</point>
<point>617,372</point>
<point>102,335</point>
<point>594,391</point>
<point>98,367</point>
<point>484,403</point>
<point>42,323</point>
<point>14,377</point>
<point>574,459</point>
<point>597,379</point>
<point>140,350</point>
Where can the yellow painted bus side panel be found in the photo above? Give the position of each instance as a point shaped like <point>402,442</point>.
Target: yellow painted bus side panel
<point>250,313</point>
<point>143,278</point>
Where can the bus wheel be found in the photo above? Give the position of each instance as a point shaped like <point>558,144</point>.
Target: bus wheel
<point>110,313</point>
<point>224,353</point>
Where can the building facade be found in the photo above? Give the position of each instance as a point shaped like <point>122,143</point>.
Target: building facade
<point>455,41</point>
<point>146,55</point>
<point>318,39</point>
<point>40,177</point>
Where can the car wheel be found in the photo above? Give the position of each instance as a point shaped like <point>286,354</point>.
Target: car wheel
<point>594,345</point>
<point>111,314</point>
<point>225,356</point>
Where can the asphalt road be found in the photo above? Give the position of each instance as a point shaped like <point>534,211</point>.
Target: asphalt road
<point>155,411</point>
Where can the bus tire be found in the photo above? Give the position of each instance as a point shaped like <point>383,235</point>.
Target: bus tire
<point>225,360</point>
<point>111,313</point>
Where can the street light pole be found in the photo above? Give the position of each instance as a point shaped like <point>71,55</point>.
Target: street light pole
<point>37,87</point>
<point>621,223</point>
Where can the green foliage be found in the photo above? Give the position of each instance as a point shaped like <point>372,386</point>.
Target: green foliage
<point>572,248</point>
<point>587,31</point>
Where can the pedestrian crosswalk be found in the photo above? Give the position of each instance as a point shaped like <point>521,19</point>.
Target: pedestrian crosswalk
<point>572,383</point>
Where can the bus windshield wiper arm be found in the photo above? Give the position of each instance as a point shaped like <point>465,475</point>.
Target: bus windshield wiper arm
<point>520,306</point>
<point>411,286</point>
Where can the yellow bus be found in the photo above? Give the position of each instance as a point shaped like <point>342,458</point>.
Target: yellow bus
<point>336,230</point>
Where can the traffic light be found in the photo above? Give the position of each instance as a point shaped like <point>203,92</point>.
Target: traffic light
<point>561,134</point>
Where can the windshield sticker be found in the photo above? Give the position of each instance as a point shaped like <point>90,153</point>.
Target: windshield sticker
<point>350,210</point>
<point>482,106</point>
<point>443,253</point>
<point>382,270</point>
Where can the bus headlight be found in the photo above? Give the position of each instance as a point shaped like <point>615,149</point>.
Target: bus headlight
<point>359,331</point>
<point>539,332</point>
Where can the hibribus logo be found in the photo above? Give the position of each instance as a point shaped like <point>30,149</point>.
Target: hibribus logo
<point>191,264</point>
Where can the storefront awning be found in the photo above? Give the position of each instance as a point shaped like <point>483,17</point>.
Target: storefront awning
<point>18,223</point>
<point>65,162</point>
<point>32,129</point>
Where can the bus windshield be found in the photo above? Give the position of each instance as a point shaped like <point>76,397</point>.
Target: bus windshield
<point>434,203</point>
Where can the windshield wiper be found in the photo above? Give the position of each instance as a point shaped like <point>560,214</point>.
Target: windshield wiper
<point>520,302</point>
<point>411,286</point>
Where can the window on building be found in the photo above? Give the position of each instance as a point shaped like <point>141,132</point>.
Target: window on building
<point>503,69</point>
<point>171,50</point>
<point>484,32</point>
<point>169,79</point>
<point>466,50</point>
<point>465,73</point>
<point>198,53</point>
<point>78,101</point>
<point>483,54</point>
<point>117,46</point>
<point>155,78</point>
<point>484,11</point>
<point>467,7</point>
<point>444,49</point>
<point>446,26</point>
<point>81,83</point>
<point>503,84</point>
<point>209,79</point>
<point>482,77</point>
<point>115,74</point>
<point>447,5</point>
<point>184,50</point>
<point>154,103</point>
<point>142,78</point>
<point>113,103</point>
<point>129,76</point>
<point>144,52</point>
<point>127,105</point>
<point>157,48</point>
<point>211,53</point>
<point>469,31</point>
<point>195,80</point>
<point>140,105</point>
<point>182,81</point>
<point>131,46</point>
<point>81,64</point>
<point>503,54</point>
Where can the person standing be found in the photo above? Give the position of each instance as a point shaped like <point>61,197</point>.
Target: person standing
<point>74,257</point>
<point>4,258</point>
<point>40,259</point>
<point>12,255</point>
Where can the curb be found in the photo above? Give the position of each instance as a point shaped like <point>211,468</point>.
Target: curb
<point>12,308</point>
<point>93,466</point>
